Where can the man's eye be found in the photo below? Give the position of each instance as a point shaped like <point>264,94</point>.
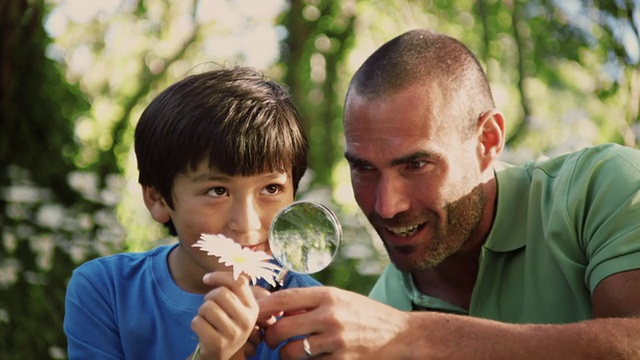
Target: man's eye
<point>217,191</point>
<point>360,167</point>
<point>416,164</point>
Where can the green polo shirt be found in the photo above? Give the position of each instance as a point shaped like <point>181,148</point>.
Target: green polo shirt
<point>561,226</point>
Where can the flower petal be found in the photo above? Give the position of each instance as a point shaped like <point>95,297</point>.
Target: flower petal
<point>255,264</point>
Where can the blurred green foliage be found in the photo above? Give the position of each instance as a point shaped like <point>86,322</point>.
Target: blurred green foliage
<point>564,73</point>
<point>36,136</point>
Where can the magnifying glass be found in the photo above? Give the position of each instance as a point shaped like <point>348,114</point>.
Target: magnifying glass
<point>304,237</point>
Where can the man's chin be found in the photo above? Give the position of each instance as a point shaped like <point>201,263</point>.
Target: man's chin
<point>406,263</point>
<point>403,263</point>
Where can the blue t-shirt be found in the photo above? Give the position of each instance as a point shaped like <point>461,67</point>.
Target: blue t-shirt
<point>127,306</point>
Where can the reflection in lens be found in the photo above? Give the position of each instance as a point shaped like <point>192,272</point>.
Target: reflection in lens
<point>304,236</point>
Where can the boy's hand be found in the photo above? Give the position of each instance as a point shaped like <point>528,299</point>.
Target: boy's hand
<point>255,338</point>
<point>225,323</point>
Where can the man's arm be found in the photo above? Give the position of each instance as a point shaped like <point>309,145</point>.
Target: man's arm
<point>347,325</point>
<point>614,333</point>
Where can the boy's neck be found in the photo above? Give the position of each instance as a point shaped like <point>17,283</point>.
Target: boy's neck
<point>185,272</point>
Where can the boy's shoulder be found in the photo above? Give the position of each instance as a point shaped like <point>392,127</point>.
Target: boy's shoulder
<point>121,264</point>
<point>294,280</point>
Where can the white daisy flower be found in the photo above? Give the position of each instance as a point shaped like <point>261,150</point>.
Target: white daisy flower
<point>243,260</point>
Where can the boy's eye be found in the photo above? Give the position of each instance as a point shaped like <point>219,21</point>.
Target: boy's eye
<point>217,191</point>
<point>272,189</point>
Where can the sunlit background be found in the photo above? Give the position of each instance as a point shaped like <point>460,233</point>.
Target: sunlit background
<point>565,73</point>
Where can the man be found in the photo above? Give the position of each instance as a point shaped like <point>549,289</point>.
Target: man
<point>489,261</point>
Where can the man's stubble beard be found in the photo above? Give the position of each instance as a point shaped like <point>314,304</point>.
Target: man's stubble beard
<point>463,217</point>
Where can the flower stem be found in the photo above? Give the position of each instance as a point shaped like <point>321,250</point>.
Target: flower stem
<point>196,353</point>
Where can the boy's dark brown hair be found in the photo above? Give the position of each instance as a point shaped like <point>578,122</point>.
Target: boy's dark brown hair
<point>240,121</point>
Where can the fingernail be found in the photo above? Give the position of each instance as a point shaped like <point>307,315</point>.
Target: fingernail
<point>205,278</point>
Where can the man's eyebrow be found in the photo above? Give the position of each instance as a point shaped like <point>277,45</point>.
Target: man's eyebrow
<point>413,157</point>
<point>399,161</point>
<point>355,160</point>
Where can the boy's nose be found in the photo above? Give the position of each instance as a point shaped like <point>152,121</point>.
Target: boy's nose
<point>244,216</point>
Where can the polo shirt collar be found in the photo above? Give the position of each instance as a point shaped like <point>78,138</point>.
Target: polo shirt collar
<point>511,204</point>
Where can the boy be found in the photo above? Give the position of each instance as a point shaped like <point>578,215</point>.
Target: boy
<point>218,153</point>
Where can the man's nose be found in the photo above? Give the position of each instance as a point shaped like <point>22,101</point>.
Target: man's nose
<point>392,196</point>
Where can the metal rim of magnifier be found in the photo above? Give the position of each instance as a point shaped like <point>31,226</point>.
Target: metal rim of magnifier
<point>326,210</point>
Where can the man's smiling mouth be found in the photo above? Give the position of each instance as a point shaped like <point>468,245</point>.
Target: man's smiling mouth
<point>404,231</point>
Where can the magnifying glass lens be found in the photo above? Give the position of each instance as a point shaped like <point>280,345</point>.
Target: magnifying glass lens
<point>305,236</point>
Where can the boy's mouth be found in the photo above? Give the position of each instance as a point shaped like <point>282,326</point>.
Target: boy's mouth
<point>257,247</point>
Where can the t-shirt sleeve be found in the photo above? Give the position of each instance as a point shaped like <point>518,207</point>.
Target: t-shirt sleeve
<point>610,222</point>
<point>89,322</point>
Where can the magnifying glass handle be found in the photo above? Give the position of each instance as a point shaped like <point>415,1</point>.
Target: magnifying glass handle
<point>279,281</point>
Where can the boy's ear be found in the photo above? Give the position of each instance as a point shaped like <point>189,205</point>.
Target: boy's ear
<point>491,136</point>
<point>158,208</point>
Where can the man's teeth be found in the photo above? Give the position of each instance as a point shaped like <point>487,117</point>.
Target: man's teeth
<point>404,230</point>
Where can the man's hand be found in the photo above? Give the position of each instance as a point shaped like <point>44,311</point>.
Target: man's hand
<point>337,323</point>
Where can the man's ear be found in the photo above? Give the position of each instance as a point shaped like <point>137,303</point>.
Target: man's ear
<point>158,208</point>
<point>491,136</point>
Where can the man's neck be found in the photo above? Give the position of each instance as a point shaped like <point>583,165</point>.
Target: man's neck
<point>452,281</point>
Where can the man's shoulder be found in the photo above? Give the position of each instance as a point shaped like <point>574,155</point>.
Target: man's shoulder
<point>592,158</point>
<point>611,157</point>
<point>609,166</point>
<point>588,168</point>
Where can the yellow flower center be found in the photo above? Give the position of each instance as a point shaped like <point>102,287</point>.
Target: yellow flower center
<point>239,259</point>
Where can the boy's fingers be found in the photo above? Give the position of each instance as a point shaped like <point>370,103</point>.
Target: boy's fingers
<point>223,278</point>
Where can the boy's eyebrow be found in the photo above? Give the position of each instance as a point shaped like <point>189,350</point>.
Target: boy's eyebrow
<point>210,177</point>
<point>224,177</point>
<point>275,175</point>
<point>394,162</point>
